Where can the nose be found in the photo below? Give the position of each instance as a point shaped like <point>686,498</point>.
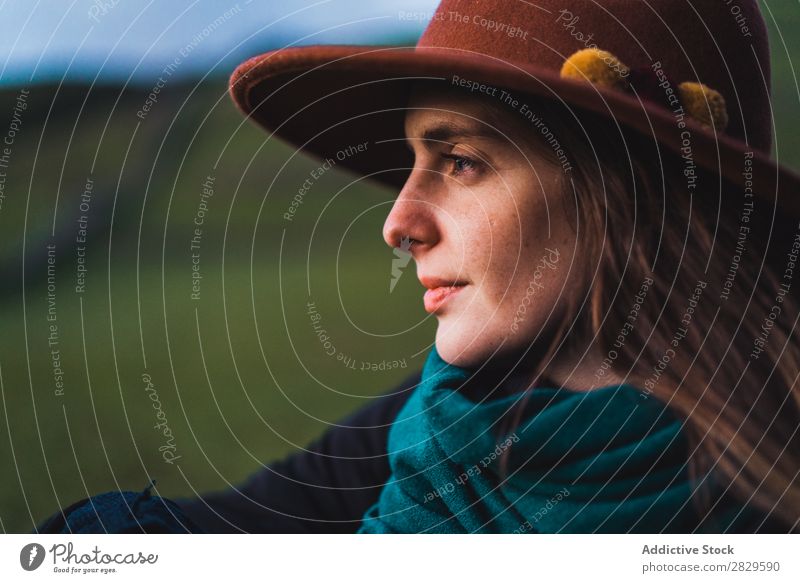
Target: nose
<point>413,217</point>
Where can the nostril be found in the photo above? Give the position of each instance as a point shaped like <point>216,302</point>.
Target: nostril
<point>406,242</point>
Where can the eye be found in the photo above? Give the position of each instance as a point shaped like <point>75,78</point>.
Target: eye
<point>461,164</point>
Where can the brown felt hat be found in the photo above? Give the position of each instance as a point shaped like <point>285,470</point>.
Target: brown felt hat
<point>694,74</point>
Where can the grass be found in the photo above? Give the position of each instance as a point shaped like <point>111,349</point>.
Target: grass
<point>239,374</point>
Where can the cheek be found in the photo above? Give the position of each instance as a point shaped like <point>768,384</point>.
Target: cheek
<point>530,262</point>
<point>539,279</point>
<point>512,228</point>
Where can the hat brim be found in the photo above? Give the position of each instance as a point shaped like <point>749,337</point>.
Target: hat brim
<point>328,99</point>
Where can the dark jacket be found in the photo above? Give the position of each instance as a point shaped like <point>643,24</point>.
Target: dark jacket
<point>326,489</point>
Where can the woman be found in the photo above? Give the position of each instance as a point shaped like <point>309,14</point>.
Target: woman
<point>608,251</point>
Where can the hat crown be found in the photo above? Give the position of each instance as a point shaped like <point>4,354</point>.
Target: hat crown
<point>722,45</point>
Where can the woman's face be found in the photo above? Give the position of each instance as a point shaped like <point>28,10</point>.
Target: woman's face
<point>487,226</point>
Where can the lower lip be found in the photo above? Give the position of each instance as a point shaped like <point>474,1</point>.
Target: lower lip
<point>436,297</point>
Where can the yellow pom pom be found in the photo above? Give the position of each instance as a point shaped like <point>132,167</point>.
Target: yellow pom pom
<point>600,67</point>
<point>704,104</point>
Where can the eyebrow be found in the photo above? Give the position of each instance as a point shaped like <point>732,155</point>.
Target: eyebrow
<point>446,131</point>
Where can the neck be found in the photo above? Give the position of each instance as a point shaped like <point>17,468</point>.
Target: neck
<point>584,370</point>
<point>575,369</point>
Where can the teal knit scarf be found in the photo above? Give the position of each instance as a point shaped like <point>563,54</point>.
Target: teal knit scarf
<point>606,460</point>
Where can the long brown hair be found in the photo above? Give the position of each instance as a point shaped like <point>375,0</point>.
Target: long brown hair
<point>691,297</point>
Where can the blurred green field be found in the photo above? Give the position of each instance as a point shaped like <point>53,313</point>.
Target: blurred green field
<point>240,375</point>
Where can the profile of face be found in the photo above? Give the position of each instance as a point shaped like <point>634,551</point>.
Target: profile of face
<point>488,226</point>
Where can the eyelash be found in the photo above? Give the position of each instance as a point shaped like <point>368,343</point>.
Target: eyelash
<point>457,158</point>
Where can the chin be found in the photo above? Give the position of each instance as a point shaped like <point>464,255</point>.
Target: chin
<point>470,344</point>
<point>461,346</point>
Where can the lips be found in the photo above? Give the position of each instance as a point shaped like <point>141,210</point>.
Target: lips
<point>439,291</point>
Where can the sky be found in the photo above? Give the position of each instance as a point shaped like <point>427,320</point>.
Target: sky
<point>112,41</point>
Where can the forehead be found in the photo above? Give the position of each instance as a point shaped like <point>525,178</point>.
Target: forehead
<point>441,112</point>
